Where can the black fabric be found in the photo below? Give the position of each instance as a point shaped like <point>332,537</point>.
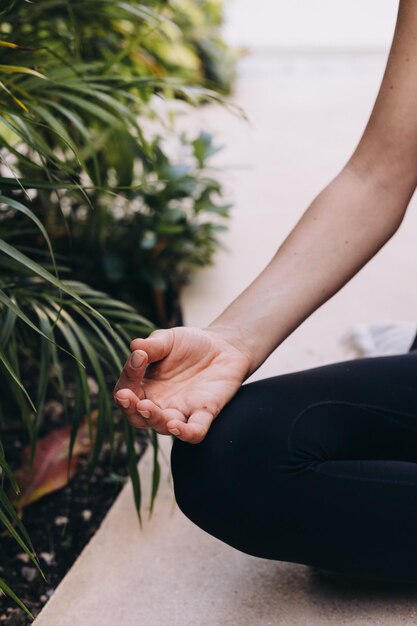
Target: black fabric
<point>414,344</point>
<point>316,467</point>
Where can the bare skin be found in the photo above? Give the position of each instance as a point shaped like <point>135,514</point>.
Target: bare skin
<point>195,372</point>
<point>192,374</point>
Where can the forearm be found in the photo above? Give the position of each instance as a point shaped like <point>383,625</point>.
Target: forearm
<point>342,229</point>
<point>348,222</point>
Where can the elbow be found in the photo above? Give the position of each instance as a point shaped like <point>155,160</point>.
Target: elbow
<point>386,196</point>
<point>395,180</point>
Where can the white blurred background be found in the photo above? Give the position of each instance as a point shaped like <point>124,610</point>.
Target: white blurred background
<point>311,24</point>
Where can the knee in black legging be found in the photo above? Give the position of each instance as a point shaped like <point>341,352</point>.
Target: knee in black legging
<point>221,483</point>
<point>200,483</point>
<point>247,437</point>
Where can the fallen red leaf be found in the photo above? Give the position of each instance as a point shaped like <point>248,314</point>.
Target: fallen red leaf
<point>49,470</point>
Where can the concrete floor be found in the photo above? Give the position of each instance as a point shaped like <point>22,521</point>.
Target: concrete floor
<point>307,112</point>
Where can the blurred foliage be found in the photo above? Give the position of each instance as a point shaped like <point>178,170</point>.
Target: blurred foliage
<point>92,126</point>
<point>95,200</point>
<point>142,245</point>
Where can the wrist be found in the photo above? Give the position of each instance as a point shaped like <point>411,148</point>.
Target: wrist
<point>238,338</point>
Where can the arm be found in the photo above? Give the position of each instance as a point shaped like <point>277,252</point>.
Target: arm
<point>178,380</point>
<point>350,220</point>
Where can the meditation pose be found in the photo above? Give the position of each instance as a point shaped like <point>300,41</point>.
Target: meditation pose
<point>319,466</point>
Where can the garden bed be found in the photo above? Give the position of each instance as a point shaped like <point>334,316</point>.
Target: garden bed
<point>60,524</point>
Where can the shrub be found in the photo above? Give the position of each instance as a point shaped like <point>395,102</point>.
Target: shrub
<point>87,192</point>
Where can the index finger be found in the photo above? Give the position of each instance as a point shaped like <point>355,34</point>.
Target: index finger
<point>157,346</point>
<point>195,429</point>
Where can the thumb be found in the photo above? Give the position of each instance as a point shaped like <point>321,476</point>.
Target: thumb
<point>157,346</point>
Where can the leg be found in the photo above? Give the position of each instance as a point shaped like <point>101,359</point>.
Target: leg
<point>317,467</point>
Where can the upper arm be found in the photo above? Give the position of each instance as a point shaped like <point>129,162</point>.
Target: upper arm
<point>388,147</point>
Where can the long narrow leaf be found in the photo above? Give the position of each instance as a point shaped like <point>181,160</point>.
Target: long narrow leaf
<point>133,469</point>
<point>6,469</point>
<point>11,372</point>
<point>4,587</point>
<point>43,273</point>
<point>156,470</point>
<point>18,522</point>
<point>20,69</point>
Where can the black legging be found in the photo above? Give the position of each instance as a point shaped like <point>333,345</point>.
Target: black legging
<point>316,467</point>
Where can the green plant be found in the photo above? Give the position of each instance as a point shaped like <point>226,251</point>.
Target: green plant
<point>200,22</point>
<point>54,332</point>
<point>143,247</point>
<point>77,83</point>
<point>88,123</point>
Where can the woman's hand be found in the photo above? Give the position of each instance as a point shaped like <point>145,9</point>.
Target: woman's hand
<point>177,380</point>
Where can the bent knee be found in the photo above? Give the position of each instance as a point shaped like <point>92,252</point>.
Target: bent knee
<point>202,483</point>
<point>191,471</point>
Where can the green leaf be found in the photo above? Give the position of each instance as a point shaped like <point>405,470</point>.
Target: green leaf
<point>43,273</point>
<point>82,396</point>
<point>9,526</point>
<point>20,69</point>
<point>13,375</point>
<point>133,469</point>
<point>105,408</point>
<point>23,209</point>
<point>18,522</point>
<point>7,328</point>
<point>96,110</point>
<point>45,361</point>
<point>4,587</point>
<point>6,469</point>
<point>12,306</point>
<point>156,470</point>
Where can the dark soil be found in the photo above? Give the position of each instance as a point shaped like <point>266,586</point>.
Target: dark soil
<point>60,524</point>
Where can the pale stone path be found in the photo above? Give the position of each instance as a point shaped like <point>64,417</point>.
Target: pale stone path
<point>173,574</point>
<point>307,114</point>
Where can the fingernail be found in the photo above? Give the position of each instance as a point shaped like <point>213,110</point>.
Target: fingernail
<point>137,359</point>
<point>174,431</point>
<point>145,414</point>
<point>124,403</point>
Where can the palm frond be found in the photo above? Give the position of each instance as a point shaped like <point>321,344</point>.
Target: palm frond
<point>77,86</point>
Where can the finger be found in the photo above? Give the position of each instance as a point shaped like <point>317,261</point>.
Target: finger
<point>133,372</point>
<point>127,400</point>
<point>195,429</point>
<point>157,417</point>
<point>157,346</point>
